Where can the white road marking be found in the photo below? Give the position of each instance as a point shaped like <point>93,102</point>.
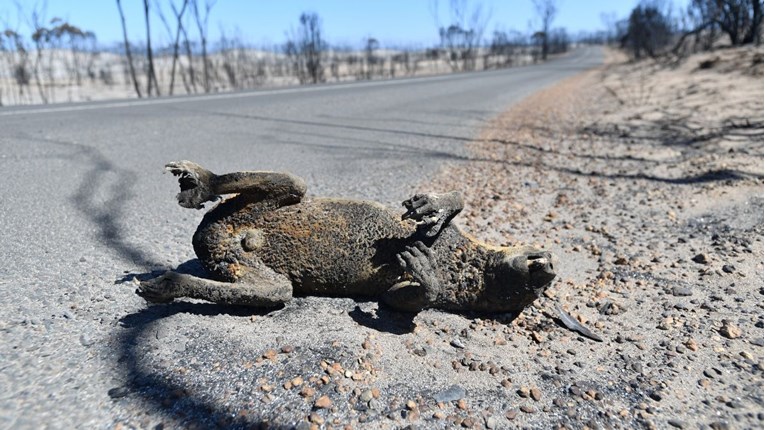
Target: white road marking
<point>223,96</point>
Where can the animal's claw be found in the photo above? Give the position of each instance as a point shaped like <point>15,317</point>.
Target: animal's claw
<point>157,290</point>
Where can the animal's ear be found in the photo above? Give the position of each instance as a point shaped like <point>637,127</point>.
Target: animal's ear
<point>194,181</point>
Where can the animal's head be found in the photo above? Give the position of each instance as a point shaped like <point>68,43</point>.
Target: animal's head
<point>519,276</point>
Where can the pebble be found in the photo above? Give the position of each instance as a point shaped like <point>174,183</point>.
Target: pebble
<point>457,343</point>
<point>511,414</point>
<point>322,402</point>
<point>676,423</point>
<point>117,392</point>
<point>455,392</point>
<point>728,268</point>
<point>491,423</point>
<point>730,330</point>
<point>701,258</point>
<point>527,409</point>
<point>366,396</point>
<point>536,394</point>
<point>682,291</point>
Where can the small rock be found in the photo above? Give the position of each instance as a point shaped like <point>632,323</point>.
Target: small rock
<point>701,259</point>
<point>511,414</point>
<point>316,418</point>
<point>491,423</point>
<point>676,423</point>
<point>730,330</point>
<point>682,291</point>
<point>322,402</point>
<point>462,404</point>
<point>728,268</point>
<point>366,396</point>
<point>457,343</point>
<point>536,394</point>
<point>523,392</point>
<point>117,392</point>
<point>528,409</point>
<point>692,345</point>
<point>455,392</point>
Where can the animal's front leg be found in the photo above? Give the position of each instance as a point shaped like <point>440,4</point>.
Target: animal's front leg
<point>418,262</point>
<point>433,211</point>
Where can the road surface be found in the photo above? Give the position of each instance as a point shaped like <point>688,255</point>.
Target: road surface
<point>85,208</point>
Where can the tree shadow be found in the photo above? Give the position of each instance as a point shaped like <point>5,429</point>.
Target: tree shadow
<point>106,216</point>
<point>395,149</point>
<point>161,392</point>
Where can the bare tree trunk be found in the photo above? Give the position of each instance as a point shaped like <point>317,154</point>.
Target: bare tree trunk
<point>190,57</point>
<point>202,27</point>
<point>179,17</point>
<point>150,56</point>
<point>127,51</point>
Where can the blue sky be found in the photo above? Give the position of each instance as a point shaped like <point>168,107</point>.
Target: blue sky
<point>345,22</point>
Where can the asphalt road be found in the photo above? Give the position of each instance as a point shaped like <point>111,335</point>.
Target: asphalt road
<point>84,206</point>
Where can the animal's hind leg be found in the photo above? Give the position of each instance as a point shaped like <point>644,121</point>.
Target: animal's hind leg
<point>433,211</point>
<point>266,290</point>
<point>199,185</point>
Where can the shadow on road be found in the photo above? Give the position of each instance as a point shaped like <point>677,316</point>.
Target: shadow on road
<point>106,213</point>
<point>387,149</point>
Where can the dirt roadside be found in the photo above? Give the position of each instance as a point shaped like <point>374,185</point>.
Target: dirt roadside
<point>646,181</point>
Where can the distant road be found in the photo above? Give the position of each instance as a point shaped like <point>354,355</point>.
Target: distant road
<point>84,200</point>
<point>329,132</point>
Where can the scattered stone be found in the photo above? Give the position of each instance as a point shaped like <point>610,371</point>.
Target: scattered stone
<point>322,402</point>
<point>528,409</point>
<point>682,291</point>
<point>511,414</point>
<point>523,392</point>
<point>536,394</point>
<point>307,391</point>
<point>462,404</point>
<point>730,330</point>
<point>117,392</point>
<point>701,259</point>
<point>457,343</point>
<point>676,423</point>
<point>366,396</point>
<point>728,268</point>
<point>455,392</point>
<point>491,422</point>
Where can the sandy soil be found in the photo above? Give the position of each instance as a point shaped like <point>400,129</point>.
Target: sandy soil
<point>646,182</point>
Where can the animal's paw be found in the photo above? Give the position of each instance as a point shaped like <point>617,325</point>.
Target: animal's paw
<point>432,211</point>
<point>418,260</point>
<point>194,181</point>
<point>158,290</point>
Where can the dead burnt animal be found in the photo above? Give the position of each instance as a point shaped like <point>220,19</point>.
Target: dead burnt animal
<point>267,243</point>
